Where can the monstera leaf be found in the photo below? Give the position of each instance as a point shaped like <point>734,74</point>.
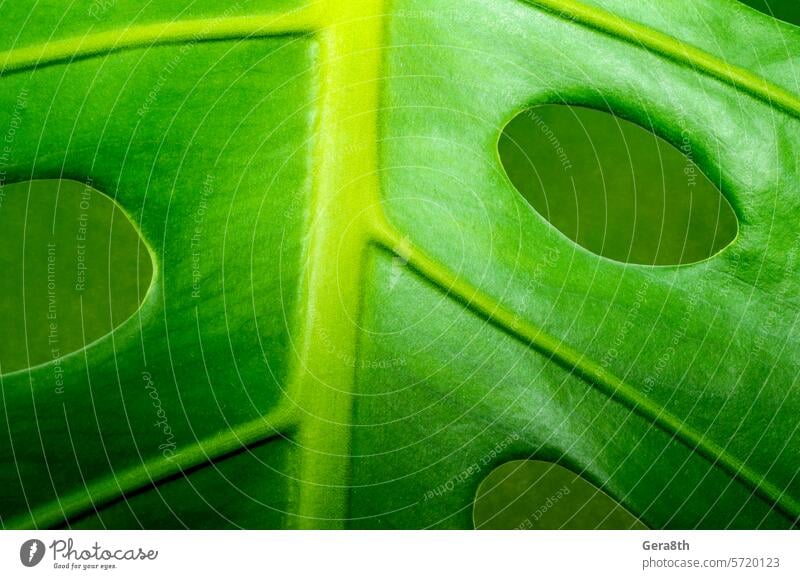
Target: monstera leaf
<point>354,315</point>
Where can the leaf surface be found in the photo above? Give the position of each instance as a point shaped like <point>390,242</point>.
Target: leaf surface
<point>353,308</point>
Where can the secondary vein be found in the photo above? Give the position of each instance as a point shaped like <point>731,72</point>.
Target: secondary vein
<point>150,473</point>
<point>674,49</point>
<point>160,33</point>
<point>534,337</point>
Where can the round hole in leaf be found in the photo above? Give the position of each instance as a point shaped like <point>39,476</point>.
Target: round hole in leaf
<point>533,494</point>
<point>615,188</point>
<point>74,267</point>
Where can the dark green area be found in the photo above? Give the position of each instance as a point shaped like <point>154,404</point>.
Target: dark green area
<point>531,494</point>
<point>73,268</point>
<point>786,10</point>
<point>615,188</point>
<point>243,490</point>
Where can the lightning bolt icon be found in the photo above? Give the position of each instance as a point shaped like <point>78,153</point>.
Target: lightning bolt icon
<point>32,552</point>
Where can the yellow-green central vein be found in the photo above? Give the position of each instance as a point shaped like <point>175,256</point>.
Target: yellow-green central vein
<point>345,204</point>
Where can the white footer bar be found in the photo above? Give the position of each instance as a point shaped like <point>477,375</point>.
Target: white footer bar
<point>400,554</point>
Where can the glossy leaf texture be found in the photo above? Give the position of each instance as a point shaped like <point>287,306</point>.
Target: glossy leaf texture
<point>354,315</point>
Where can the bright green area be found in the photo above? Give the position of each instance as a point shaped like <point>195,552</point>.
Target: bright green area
<point>475,334</point>
<point>531,494</point>
<point>74,268</point>
<point>614,187</point>
<point>786,10</point>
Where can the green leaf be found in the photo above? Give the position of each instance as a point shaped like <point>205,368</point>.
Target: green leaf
<point>354,316</point>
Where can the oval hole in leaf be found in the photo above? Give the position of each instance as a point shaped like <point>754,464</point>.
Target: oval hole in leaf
<point>533,494</point>
<point>615,188</point>
<point>74,267</point>
<point>786,10</point>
